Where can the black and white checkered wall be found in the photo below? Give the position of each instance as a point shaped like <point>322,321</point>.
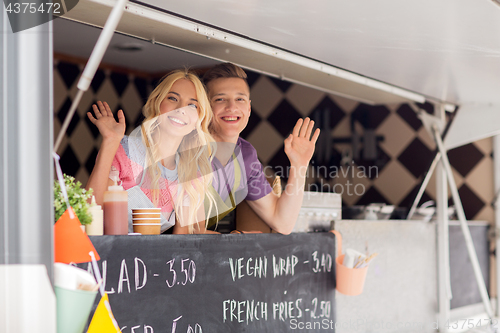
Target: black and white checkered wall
<point>380,153</point>
<point>79,148</point>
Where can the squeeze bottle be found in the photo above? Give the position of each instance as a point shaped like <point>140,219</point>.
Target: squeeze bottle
<point>96,227</point>
<point>115,210</point>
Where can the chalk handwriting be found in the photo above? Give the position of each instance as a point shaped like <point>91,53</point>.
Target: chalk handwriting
<point>322,265</point>
<point>243,311</point>
<point>255,267</point>
<point>188,268</point>
<point>282,266</point>
<point>137,329</point>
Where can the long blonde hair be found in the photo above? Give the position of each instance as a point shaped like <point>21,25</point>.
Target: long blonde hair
<point>195,150</point>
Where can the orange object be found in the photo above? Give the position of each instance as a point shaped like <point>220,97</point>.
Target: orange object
<point>146,211</point>
<point>146,215</point>
<point>71,243</point>
<point>115,207</point>
<point>147,228</point>
<point>350,281</point>
<point>146,220</point>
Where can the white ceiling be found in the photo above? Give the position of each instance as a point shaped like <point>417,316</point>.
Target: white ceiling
<point>78,40</point>
<point>447,50</point>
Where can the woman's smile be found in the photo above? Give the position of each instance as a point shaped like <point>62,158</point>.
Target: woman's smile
<point>176,121</point>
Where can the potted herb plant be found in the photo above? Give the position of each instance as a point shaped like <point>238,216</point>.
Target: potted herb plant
<point>78,197</point>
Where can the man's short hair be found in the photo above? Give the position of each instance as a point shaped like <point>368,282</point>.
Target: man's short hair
<point>225,70</point>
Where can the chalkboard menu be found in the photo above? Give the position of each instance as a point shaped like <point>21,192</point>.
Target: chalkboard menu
<point>220,283</point>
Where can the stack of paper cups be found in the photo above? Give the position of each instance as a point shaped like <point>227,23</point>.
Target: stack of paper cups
<point>146,221</point>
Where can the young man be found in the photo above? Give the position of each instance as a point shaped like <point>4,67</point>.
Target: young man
<point>229,96</point>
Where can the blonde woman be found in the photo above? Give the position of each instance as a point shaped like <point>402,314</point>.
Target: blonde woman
<point>165,162</point>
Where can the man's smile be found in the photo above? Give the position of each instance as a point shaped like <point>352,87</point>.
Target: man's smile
<point>230,118</point>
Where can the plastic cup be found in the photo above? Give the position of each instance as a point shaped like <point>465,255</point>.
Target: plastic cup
<point>350,281</point>
<point>73,309</point>
<point>147,228</point>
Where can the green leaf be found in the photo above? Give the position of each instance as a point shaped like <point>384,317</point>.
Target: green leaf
<point>78,198</point>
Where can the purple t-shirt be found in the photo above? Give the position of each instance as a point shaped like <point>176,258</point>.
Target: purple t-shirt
<point>253,184</point>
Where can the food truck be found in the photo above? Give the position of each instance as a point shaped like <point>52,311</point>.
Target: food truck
<point>405,95</point>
